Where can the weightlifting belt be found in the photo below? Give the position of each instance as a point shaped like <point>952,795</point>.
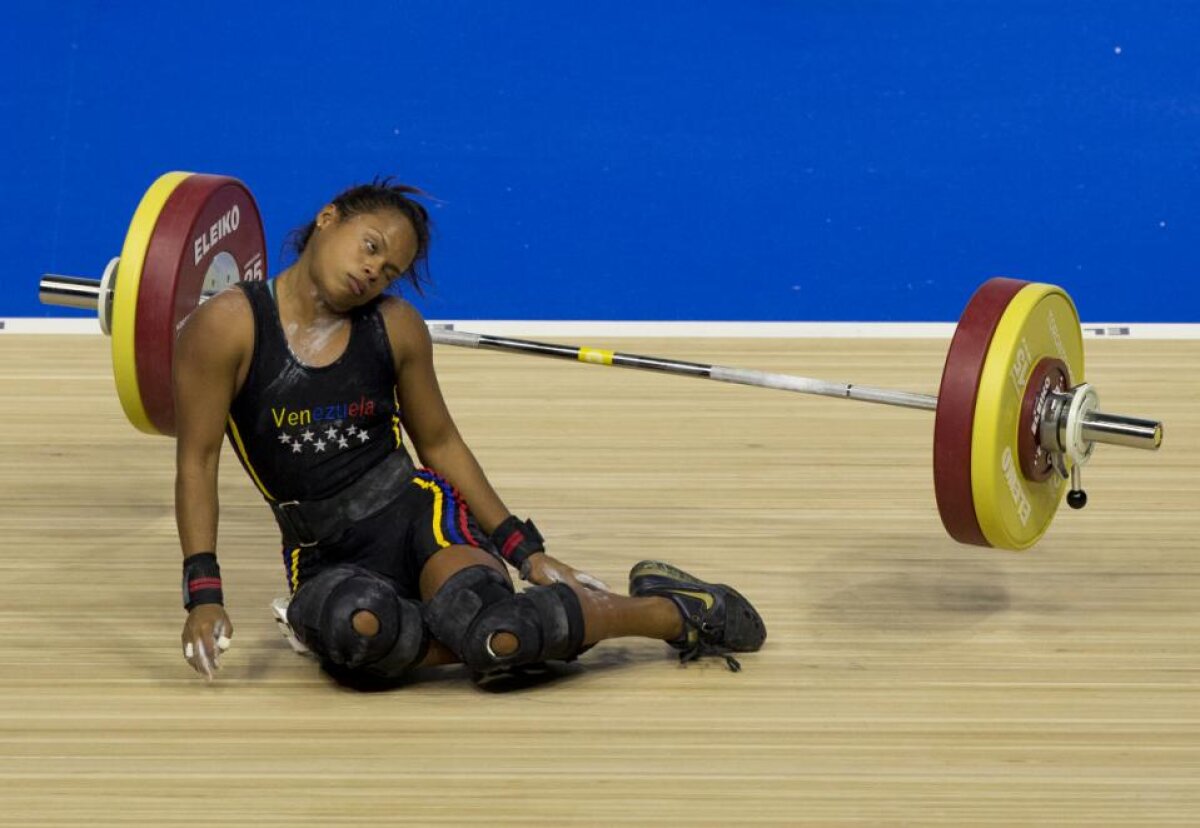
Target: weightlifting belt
<point>308,522</point>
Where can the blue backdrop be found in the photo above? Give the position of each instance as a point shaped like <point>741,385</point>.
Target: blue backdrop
<point>842,160</point>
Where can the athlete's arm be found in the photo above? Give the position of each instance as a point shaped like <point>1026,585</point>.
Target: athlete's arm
<point>211,347</point>
<point>435,437</point>
<point>214,345</point>
<point>440,446</point>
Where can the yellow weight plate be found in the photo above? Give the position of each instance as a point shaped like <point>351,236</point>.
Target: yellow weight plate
<point>125,296</point>
<point>1039,322</point>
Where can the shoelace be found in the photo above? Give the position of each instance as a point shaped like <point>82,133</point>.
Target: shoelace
<point>701,648</point>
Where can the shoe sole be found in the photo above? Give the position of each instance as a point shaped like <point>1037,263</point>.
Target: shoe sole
<point>279,610</point>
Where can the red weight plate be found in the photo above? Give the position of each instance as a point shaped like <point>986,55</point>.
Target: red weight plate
<point>208,236</point>
<point>1049,375</point>
<point>955,418</point>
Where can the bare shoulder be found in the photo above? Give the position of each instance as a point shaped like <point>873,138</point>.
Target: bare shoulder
<point>405,327</point>
<point>222,327</point>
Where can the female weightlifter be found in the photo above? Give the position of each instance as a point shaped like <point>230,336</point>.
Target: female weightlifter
<point>315,377</point>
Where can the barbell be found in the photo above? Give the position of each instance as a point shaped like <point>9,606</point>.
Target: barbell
<point>1014,421</point>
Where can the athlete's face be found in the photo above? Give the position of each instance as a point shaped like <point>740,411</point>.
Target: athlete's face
<point>357,257</point>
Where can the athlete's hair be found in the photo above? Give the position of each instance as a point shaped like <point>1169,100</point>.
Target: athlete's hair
<point>381,194</point>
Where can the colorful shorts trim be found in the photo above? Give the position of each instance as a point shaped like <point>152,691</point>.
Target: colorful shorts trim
<point>426,517</point>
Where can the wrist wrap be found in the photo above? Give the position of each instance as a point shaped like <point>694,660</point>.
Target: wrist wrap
<point>516,540</point>
<point>201,580</point>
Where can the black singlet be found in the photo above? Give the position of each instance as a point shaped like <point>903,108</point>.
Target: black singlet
<point>304,433</point>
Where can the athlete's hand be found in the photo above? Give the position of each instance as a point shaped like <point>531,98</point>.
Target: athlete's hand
<point>206,635</point>
<point>542,570</point>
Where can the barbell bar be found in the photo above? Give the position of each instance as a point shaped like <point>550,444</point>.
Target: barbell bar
<point>1096,426</point>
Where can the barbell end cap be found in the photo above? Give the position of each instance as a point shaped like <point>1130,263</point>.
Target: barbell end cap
<point>69,291</point>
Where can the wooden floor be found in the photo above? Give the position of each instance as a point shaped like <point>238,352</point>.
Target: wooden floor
<point>906,679</point>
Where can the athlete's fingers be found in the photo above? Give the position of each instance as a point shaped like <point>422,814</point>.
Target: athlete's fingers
<point>204,661</point>
<point>199,656</point>
<point>222,642</point>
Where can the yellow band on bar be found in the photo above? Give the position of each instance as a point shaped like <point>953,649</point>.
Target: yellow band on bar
<point>596,356</point>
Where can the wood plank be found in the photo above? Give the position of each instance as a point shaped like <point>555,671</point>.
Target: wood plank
<point>906,678</point>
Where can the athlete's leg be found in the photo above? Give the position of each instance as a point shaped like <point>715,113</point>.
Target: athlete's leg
<point>605,614</point>
<point>354,619</point>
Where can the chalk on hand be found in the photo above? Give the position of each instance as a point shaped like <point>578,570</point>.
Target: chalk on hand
<point>592,582</point>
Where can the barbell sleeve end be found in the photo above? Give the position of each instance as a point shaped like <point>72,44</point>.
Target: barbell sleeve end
<point>69,291</point>
<point>1117,430</point>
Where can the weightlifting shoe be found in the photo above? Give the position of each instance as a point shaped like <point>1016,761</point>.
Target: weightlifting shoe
<point>279,608</point>
<point>717,619</point>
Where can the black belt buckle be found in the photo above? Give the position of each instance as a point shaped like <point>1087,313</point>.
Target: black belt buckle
<point>295,523</point>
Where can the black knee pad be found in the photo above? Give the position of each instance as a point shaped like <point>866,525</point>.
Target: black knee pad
<point>320,615</point>
<point>477,603</point>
